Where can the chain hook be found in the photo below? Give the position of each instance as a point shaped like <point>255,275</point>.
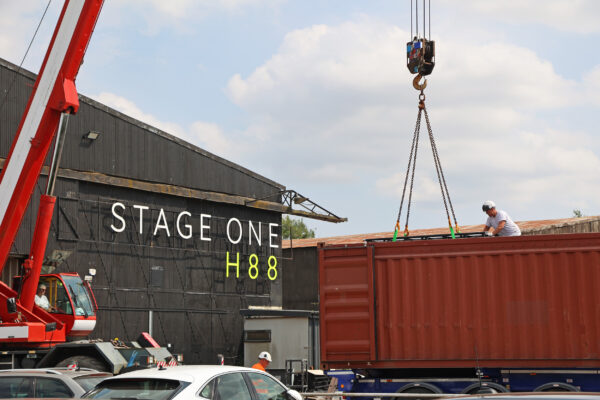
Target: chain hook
<point>417,85</point>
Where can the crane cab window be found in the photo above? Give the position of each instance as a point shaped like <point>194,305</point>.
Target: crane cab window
<point>57,296</point>
<point>80,296</point>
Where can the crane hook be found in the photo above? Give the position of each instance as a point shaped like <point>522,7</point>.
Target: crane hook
<point>418,85</point>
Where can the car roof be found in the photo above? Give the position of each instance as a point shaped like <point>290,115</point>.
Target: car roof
<point>72,373</point>
<point>187,373</point>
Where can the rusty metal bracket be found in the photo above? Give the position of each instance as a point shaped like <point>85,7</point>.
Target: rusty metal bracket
<point>289,198</point>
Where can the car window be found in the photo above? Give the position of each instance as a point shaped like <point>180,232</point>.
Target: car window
<point>15,387</point>
<point>48,387</point>
<point>141,388</point>
<point>87,382</point>
<point>266,387</point>
<point>230,387</point>
<point>207,391</point>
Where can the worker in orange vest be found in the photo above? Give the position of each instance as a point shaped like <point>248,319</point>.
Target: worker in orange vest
<point>264,358</point>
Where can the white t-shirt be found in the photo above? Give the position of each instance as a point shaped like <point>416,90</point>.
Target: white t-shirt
<point>42,301</point>
<point>510,228</point>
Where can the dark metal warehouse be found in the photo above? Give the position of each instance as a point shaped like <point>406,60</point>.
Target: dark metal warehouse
<point>161,221</point>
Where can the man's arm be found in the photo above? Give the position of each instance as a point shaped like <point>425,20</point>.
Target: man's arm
<point>499,228</point>
<point>487,230</point>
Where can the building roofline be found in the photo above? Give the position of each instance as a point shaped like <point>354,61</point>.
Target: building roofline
<point>527,227</point>
<point>156,131</point>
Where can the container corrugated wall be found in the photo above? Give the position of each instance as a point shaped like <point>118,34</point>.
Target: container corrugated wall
<point>524,301</point>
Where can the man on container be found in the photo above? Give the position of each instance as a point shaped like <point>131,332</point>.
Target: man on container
<point>498,222</point>
<point>264,358</point>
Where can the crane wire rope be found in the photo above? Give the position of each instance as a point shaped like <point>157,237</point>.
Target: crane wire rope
<point>429,7</point>
<point>6,93</point>
<point>426,9</point>
<point>424,26</point>
<point>416,18</point>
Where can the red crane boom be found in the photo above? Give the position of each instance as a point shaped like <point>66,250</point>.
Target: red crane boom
<point>53,98</point>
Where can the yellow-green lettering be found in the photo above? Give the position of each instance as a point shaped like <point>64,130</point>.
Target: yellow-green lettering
<point>253,266</point>
<point>272,268</point>
<point>235,264</point>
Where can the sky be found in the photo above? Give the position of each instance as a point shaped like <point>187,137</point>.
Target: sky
<point>315,95</point>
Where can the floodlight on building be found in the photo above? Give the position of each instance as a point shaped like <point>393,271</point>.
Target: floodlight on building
<point>91,135</point>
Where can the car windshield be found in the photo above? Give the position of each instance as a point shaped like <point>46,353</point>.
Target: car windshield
<point>87,382</point>
<point>136,389</point>
<point>81,299</point>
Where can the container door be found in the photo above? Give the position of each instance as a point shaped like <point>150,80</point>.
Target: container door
<point>346,304</point>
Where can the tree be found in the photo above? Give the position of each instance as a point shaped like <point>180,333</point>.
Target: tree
<point>296,227</point>
<point>577,213</point>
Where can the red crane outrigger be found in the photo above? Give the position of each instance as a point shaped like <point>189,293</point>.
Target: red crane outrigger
<point>53,99</point>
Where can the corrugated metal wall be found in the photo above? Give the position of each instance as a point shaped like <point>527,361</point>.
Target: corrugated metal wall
<point>195,305</point>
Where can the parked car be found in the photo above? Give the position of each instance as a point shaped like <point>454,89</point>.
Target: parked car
<point>211,382</point>
<point>48,382</point>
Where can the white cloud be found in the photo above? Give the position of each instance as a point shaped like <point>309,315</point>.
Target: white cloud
<point>206,135</point>
<point>182,15</point>
<point>18,23</point>
<point>580,16</point>
<point>342,93</point>
<point>500,74</point>
<point>335,61</point>
<point>127,107</point>
<point>425,188</point>
<point>592,85</point>
<point>342,102</point>
<point>211,137</point>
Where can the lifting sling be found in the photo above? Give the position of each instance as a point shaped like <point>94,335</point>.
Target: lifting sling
<point>420,60</point>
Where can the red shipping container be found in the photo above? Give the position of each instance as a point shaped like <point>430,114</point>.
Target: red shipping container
<point>528,301</point>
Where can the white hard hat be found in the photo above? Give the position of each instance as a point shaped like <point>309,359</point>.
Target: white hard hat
<point>265,356</point>
<point>488,205</point>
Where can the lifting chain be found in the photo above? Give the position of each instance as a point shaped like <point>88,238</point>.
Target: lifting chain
<point>440,173</point>
<point>412,162</point>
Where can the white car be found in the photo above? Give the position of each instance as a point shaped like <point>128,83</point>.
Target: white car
<point>198,382</point>
<point>48,382</point>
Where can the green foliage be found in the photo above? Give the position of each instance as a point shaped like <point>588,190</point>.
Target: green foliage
<point>296,227</point>
<point>577,213</point>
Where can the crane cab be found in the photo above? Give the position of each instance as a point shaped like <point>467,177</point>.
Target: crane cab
<point>69,299</point>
